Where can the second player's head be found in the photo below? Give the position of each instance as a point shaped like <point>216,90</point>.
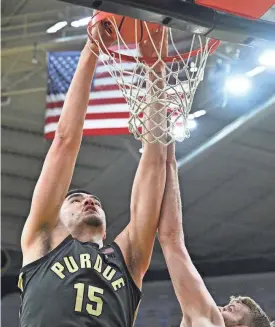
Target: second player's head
<point>82,214</point>
<point>244,312</point>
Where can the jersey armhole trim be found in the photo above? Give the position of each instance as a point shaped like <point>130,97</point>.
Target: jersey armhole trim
<point>39,261</point>
<point>118,250</point>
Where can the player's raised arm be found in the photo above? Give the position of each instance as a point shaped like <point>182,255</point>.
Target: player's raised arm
<point>197,305</point>
<point>59,164</point>
<point>137,240</point>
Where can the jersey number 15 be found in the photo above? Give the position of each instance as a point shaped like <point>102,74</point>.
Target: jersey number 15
<point>94,309</point>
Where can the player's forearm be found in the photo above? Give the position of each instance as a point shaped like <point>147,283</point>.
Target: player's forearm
<point>197,305</point>
<point>190,290</point>
<point>148,189</point>
<point>72,118</point>
<point>186,280</point>
<point>170,225</point>
<point>155,114</point>
<point>147,194</point>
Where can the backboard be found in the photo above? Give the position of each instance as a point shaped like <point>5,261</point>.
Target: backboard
<point>235,21</point>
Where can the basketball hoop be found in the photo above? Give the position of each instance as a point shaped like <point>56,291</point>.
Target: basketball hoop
<point>183,73</point>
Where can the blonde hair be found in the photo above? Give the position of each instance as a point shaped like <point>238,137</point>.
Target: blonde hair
<point>258,316</point>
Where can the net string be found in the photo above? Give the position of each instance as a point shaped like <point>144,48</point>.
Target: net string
<point>176,96</point>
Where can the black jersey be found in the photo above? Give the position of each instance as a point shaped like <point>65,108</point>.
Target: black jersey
<point>76,285</point>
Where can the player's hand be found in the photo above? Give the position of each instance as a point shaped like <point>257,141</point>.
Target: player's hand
<point>160,38</point>
<point>101,33</point>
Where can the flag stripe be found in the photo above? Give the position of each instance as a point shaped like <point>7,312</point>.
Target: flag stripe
<point>110,80</point>
<point>98,93</point>
<point>110,115</point>
<point>101,67</point>
<point>106,73</point>
<point>96,132</point>
<point>94,124</point>
<point>92,102</point>
<point>91,109</point>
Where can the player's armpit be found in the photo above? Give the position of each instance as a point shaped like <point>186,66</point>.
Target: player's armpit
<point>204,322</point>
<point>199,322</point>
<point>49,193</point>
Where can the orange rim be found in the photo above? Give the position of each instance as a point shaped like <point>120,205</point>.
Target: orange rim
<point>213,44</point>
<point>100,15</point>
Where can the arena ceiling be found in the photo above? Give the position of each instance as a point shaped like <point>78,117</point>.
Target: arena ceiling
<point>227,167</point>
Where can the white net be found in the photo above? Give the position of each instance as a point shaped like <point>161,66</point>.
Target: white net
<point>173,91</point>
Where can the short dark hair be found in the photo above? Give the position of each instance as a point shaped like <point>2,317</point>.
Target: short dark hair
<point>81,191</point>
<point>258,316</point>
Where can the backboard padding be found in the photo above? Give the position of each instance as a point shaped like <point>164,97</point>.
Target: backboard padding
<point>251,9</point>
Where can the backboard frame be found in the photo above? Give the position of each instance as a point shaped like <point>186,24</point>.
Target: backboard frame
<point>190,17</point>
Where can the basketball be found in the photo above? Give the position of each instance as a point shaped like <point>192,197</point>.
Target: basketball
<point>131,30</point>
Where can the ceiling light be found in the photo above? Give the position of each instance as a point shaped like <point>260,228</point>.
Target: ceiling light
<point>238,85</point>
<point>56,27</point>
<point>80,22</point>
<point>199,113</point>
<point>256,71</point>
<point>268,58</point>
<point>180,133</point>
<point>192,124</point>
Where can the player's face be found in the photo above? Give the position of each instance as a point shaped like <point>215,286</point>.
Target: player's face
<point>80,208</point>
<point>235,314</point>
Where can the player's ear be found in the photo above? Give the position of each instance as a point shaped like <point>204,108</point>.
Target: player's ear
<point>104,237</point>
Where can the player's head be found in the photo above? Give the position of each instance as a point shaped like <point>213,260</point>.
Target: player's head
<point>82,212</point>
<point>245,312</point>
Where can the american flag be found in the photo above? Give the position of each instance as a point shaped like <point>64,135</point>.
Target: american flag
<point>107,112</point>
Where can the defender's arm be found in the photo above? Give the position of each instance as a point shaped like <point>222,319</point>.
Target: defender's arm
<point>137,240</point>
<point>197,305</point>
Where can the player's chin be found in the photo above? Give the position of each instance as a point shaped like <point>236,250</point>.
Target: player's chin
<point>93,219</point>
